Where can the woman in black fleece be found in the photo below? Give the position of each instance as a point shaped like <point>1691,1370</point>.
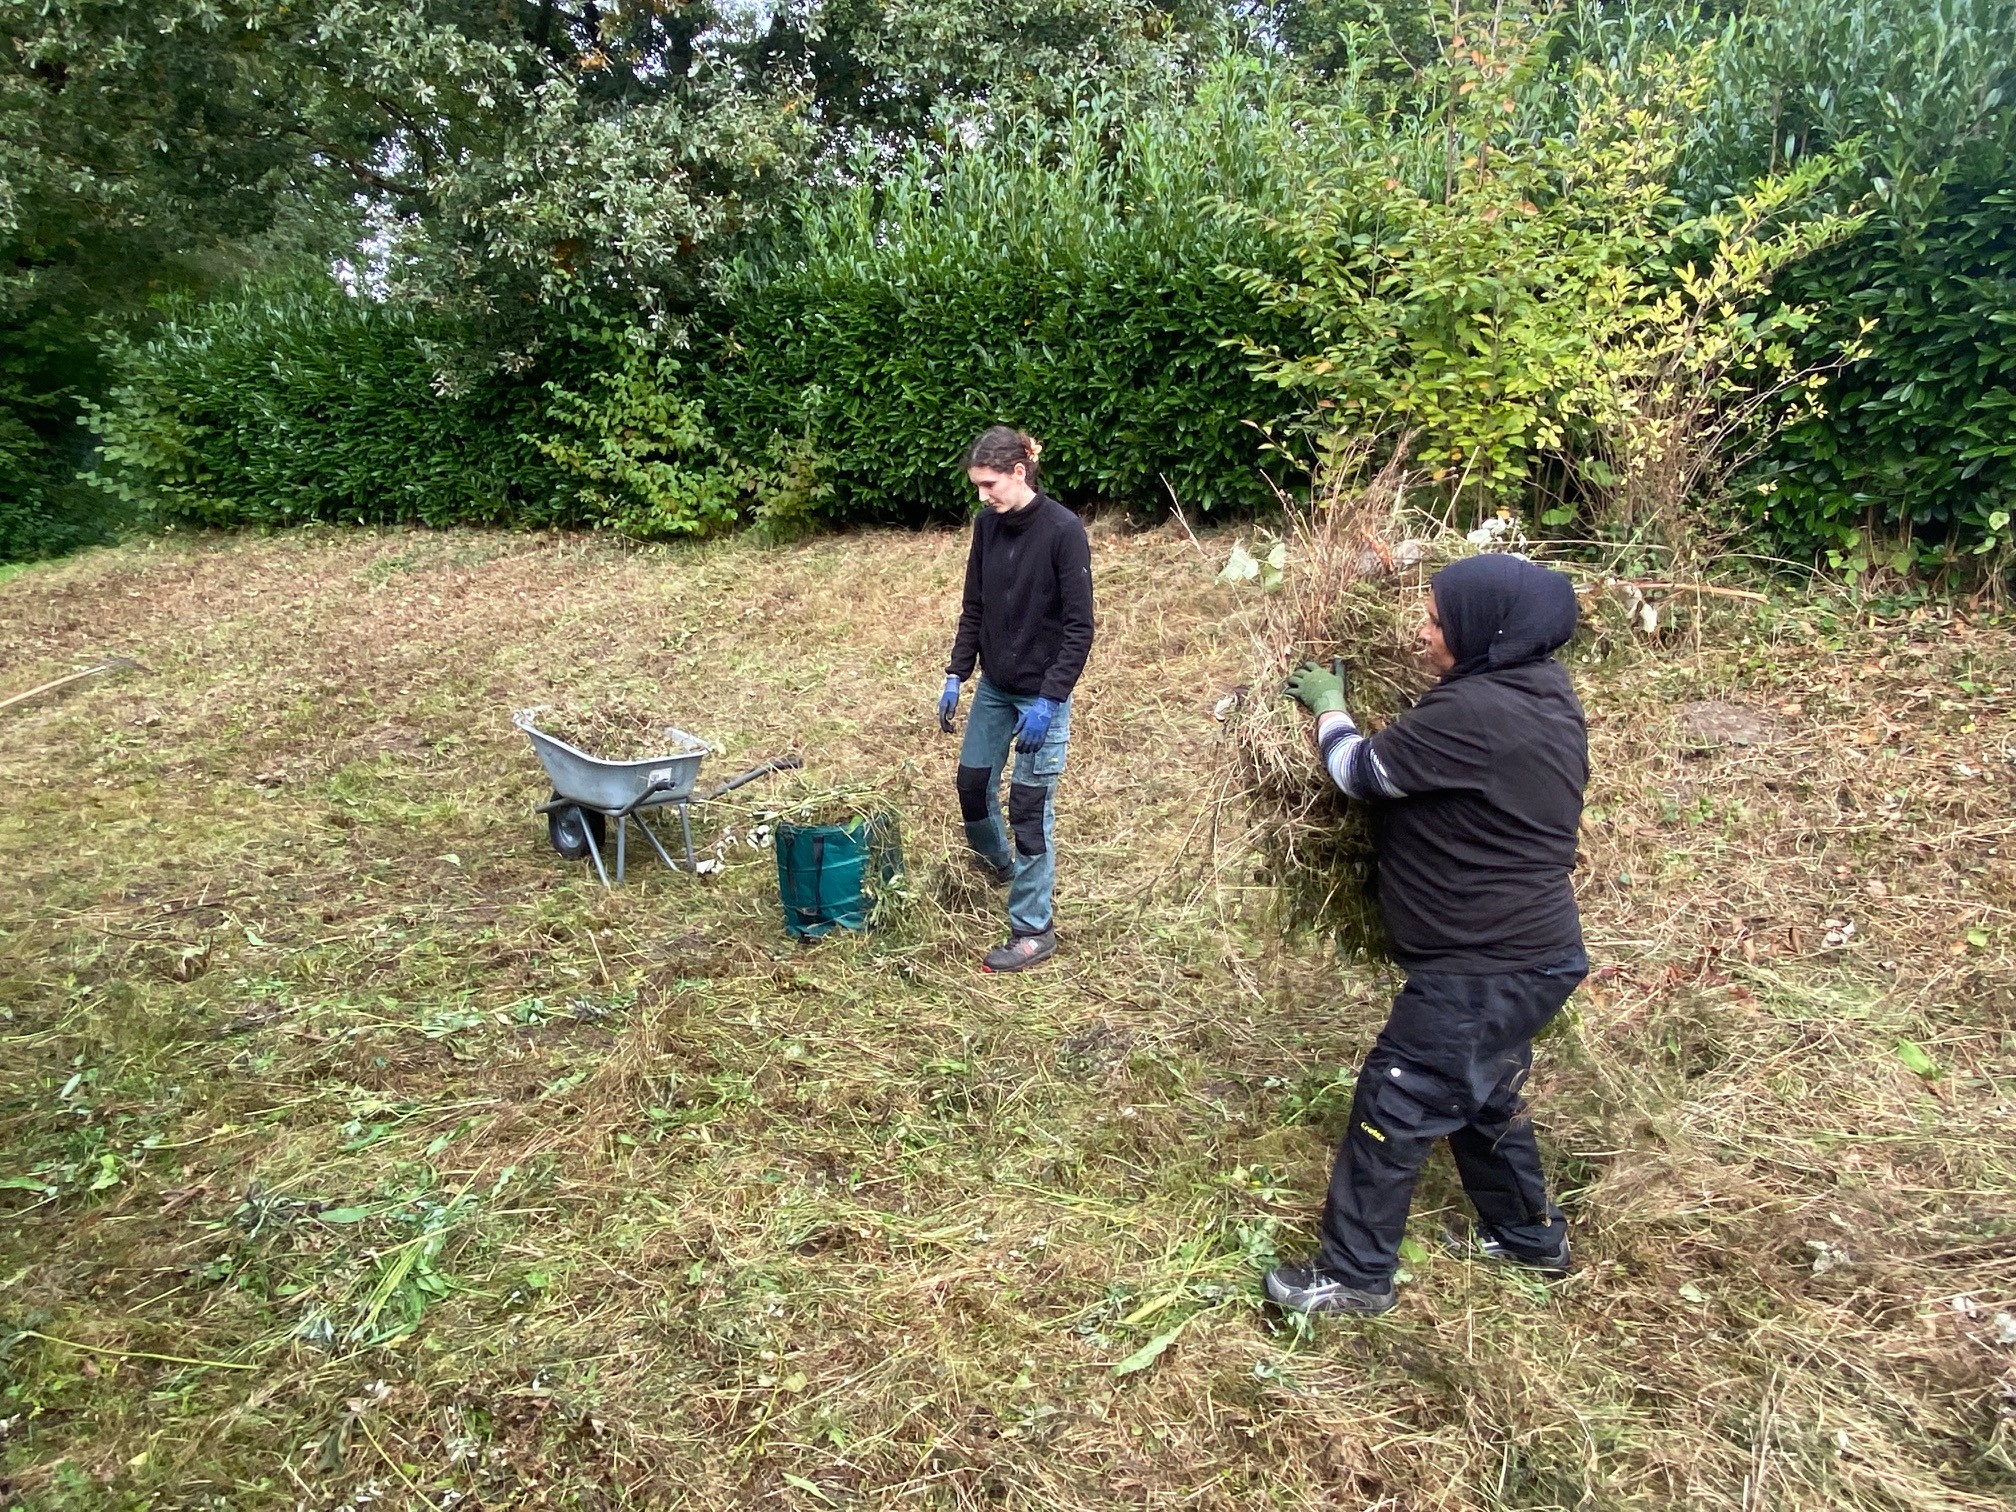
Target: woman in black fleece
<point>1027,620</point>
<point>1477,795</point>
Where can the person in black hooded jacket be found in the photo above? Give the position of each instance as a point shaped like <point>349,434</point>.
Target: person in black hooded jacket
<point>1478,800</point>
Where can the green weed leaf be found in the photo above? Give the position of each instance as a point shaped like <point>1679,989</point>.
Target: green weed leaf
<point>1916,1060</point>
<point>1148,1353</point>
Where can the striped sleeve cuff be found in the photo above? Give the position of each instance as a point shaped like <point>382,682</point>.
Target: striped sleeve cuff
<point>1353,765</point>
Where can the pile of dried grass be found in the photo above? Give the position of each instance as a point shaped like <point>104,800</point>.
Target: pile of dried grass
<point>616,727</point>
<point>804,801</point>
<point>1357,565</point>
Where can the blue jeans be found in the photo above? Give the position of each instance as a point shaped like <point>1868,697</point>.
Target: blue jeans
<point>1032,791</point>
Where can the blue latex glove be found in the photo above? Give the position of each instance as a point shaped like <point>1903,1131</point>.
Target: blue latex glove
<point>1034,725</point>
<point>948,704</point>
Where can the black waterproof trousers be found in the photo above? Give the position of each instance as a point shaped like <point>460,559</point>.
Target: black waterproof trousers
<point>1449,1064</point>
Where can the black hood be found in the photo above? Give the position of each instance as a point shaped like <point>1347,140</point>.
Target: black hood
<point>1500,610</point>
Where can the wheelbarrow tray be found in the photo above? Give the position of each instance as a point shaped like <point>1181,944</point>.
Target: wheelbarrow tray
<point>615,787</point>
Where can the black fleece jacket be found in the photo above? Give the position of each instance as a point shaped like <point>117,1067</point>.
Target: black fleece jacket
<point>1028,609</point>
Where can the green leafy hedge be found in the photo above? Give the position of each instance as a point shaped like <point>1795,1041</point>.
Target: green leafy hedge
<point>277,408</point>
<point>1072,281</point>
<point>42,512</point>
<point>1070,284</point>
<point>1076,279</point>
<point>1915,456</point>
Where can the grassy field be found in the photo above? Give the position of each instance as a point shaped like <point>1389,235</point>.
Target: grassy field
<point>361,1153</point>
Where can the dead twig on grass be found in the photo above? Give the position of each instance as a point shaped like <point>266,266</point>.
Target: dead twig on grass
<point>1713,590</point>
<point>1176,508</point>
<point>136,1354</point>
<point>114,664</point>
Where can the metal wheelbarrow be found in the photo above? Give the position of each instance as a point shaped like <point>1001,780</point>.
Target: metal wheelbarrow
<point>588,792</point>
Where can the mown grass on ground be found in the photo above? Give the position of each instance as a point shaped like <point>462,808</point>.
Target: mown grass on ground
<point>360,1152</point>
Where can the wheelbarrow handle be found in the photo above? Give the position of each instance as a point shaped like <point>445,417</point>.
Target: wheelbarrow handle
<point>663,784</point>
<point>775,764</point>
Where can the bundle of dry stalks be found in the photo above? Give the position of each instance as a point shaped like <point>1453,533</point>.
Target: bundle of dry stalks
<point>802,800</point>
<point>1358,563</point>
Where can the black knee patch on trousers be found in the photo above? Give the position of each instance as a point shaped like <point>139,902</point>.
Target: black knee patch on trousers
<point>973,783</point>
<point>1028,806</point>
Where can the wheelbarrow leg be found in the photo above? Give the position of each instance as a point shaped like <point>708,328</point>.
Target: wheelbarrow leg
<point>686,828</point>
<point>652,835</point>
<point>622,835</point>
<point>595,851</point>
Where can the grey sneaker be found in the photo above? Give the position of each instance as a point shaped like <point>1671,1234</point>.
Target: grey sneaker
<point>1483,1243</point>
<point>1310,1289</point>
<point>1000,876</point>
<point>1022,952</point>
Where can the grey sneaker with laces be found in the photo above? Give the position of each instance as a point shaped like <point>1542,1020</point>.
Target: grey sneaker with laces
<point>1310,1289</point>
<point>1483,1243</point>
<point>1022,952</point>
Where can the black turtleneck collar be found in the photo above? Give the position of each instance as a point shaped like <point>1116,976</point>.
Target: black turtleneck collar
<point>1015,521</point>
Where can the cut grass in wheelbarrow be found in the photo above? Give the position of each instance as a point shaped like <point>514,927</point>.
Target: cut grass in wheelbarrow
<point>589,790</point>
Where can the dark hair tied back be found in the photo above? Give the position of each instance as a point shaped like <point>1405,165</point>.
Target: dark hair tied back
<point>1003,448</point>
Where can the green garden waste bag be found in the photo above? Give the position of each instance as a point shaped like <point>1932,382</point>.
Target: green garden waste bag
<point>829,875</point>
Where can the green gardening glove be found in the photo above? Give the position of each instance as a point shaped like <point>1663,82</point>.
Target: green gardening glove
<point>1319,688</point>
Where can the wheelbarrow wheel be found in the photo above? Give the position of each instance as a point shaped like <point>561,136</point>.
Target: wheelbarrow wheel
<point>569,829</point>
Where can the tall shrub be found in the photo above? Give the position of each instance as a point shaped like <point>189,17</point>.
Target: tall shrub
<point>1065,279</point>
<point>310,405</point>
<point>637,448</point>
<point>1500,273</point>
<point>1914,456</point>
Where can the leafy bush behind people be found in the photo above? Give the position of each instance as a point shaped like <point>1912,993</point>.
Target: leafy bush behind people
<point>280,407</point>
